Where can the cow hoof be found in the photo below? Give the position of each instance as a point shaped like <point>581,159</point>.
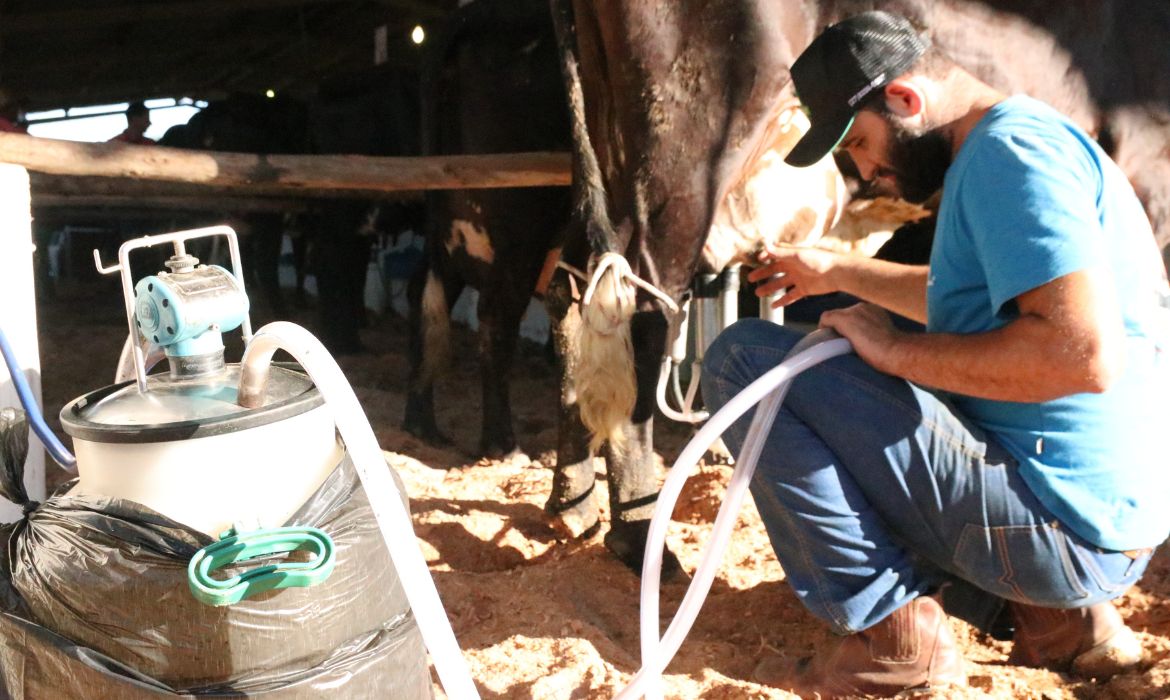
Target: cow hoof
<point>627,542</point>
<point>577,521</point>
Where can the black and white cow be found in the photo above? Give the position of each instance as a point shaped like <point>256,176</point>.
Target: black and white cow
<point>492,85</point>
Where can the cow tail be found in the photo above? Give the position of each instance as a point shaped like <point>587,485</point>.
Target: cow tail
<point>436,328</point>
<point>605,381</point>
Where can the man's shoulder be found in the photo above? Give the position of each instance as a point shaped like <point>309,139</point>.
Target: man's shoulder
<point>1025,135</point>
<point>1021,122</point>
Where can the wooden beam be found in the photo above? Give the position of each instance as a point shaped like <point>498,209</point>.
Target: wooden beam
<point>139,66</point>
<point>268,57</point>
<point>45,187</point>
<point>120,63</point>
<point>285,174</point>
<point>204,204</point>
<point>184,79</point>
<point>196,48</point>
<point>53,21</point>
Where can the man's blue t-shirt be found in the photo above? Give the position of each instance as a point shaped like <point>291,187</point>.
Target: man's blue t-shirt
<point>1031,198</point>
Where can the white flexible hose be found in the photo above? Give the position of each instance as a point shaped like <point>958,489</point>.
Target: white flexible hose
<point>769,391</point>
<point>685,415</point>
<point>393,520</point>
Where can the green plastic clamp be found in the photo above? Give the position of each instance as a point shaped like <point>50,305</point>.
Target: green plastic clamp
<point>234,547</point>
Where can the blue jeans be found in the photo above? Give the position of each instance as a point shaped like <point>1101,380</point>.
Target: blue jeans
<point>875,491</point>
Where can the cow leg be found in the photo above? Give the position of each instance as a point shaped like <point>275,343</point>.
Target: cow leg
<point>632,468</point>
<point>571,504</point>
<point>499,325</point>
<point>342,261</point>
<point>431,296</point>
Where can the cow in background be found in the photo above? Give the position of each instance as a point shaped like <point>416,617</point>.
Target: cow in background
<point>672,102</point>
<point>491,86</point>
<point>495,87</point>
<point>245,123</point>
<point>371,112</point>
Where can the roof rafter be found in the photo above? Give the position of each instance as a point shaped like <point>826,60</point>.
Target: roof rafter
<point>52,21</point>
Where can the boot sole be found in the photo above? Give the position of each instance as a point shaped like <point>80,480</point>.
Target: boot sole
<point>1118,654</point>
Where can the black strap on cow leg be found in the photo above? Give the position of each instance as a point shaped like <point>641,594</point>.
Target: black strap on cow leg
<point>576,500</point>
<point>634,504</point>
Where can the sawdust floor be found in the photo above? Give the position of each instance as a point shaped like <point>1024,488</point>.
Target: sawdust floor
<point>539,617</point>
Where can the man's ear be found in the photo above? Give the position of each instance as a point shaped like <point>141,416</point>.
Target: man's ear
<point>904,98</point>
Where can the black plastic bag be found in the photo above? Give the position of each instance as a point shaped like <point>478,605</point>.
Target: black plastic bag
<point>96,605</point>
<point>13,452</point>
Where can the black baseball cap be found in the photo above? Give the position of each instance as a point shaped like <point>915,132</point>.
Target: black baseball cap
<point>848,61</point>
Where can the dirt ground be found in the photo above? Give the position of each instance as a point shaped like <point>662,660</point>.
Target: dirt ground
<point>539,617</point>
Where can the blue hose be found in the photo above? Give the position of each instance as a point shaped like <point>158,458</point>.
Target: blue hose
<point>56,450</point>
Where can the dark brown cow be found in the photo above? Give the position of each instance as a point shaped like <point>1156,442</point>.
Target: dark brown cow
<point>672,100</point>
<point>495,85</point>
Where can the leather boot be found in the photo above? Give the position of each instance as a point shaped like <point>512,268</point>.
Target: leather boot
<point>1092,642</point>
<point>912,648</point>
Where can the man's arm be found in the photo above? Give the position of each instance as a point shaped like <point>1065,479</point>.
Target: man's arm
<point>804,272</point>
<point>1068,339</point>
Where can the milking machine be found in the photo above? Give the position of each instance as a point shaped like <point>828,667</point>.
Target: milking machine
<point>232,450</point>
<point>713,306</point>
<point>768,391</point>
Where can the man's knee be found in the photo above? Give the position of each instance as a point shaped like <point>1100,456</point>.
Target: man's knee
<point>744,351</point>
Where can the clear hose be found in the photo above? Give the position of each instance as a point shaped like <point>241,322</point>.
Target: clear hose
<point>393,520</point>
<point>768,391</point>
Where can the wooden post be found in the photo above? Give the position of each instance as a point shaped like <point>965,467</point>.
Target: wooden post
<point>18,316</point>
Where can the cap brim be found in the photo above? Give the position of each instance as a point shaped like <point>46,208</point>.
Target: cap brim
<point>819,140</point>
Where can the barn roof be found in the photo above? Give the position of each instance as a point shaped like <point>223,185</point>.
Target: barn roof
<point>62,53</point>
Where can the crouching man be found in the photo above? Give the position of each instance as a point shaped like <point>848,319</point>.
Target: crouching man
<point>1007,460</point>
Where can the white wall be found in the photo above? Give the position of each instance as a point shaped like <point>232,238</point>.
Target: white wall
<point>18,315</point>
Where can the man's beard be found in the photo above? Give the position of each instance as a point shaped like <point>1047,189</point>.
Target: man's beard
<point>918,160</point>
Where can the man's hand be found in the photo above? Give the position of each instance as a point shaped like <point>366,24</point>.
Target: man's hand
<point>799,271</point>
<point>804,272</point>
<point>869,329</point>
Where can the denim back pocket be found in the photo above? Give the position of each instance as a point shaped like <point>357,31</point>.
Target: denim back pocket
<point>1111,572</point>
<point>1025,563</point>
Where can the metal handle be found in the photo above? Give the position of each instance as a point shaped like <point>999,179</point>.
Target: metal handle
<point>178,239</point>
